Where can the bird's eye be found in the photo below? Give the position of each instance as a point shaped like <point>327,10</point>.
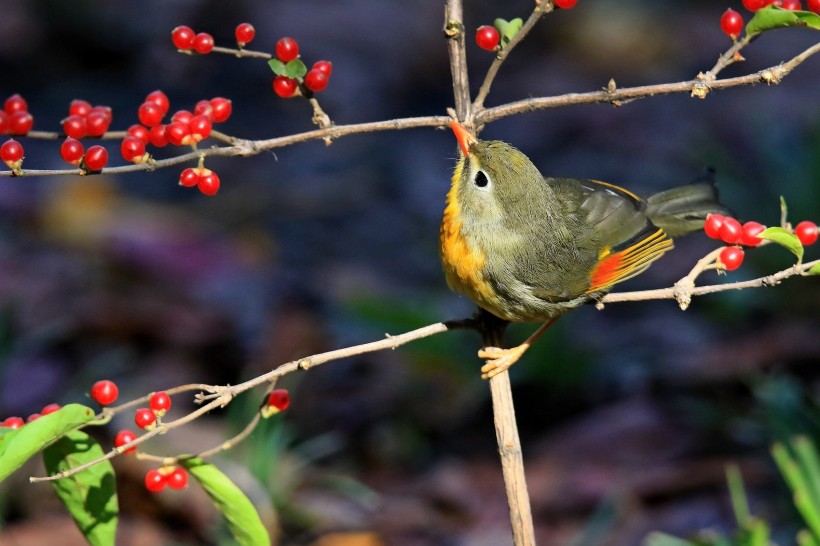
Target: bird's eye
<point>481,179</point>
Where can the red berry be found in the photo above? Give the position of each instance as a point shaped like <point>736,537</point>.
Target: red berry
<point>203,43</point>
<point>754,5</point>
<point>105,110</point>
<point>160,402</point>
<point>209,183</point>
<point>95,158</point>
<point>178,133</point>
<point>287,49</point>
<point>123,437</point>
<point>731,257</point>
<point>220,109</point>
<point>15,103</point>
<point>565,4</point>
<point>749,233</point>
<point>793,5</point>
<point>133,149</point>
<point>813,5</point>
<point>279,399</point>
<point>487,37</point>
<point>160,99</point>
<point>183,116</point>
<point>712,225</point>
<point>324,66</point>
<point>316,80</point>
<point>284,87</point>
<point>139,131</point>
<point>183,37</point>
<point>730,231</point>
<point>150,114</point>
<point>33,417</point>
<point>13,422</point>
<point>200,127</point>
<point>189,178</point>
<point>244,33</point>
<point>75,126</point>
<point>72,151</point>
<point>155,481</point>
<point>203,108</point>
<point>20,122</point>
<point>11,153</point>
<point>145,418</point>
<point>178,479</point>
<point>50,408</point>
<point>157,136</point>
<point>105,392</point>
<point>4,122</point>
<point>806,231</point>
<point>731,22</point>
<point>79,107</point>
<point>97,123</point>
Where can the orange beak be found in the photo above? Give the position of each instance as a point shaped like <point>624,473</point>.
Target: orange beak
<point>465,138</point>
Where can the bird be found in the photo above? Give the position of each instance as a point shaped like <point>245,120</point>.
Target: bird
<point>529,248</point>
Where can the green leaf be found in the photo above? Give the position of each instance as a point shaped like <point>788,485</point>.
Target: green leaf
<point>784,238</point>
<point>508,29</point>
<point>91,495</point>
<point>18,446</point>
<point>295,68</point>
<point>815,269</point>
<point>277,66</point>
<point>242,517</point>
<point>772,17</point>
<point>662,539</point>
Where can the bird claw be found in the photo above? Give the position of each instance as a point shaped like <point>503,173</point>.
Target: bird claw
<point>499,360</point>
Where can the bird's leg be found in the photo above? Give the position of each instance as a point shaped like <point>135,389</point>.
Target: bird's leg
<point>499,360</point>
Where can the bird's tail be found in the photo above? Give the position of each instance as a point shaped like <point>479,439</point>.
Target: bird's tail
<point>682,210</point>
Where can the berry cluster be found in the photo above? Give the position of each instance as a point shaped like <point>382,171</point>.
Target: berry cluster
<point>754,5</point>
<point>185,39</point>
<point>86,120</point>
<point>731,22</point>
<point>292,74</point>
<point>737,235</point>
<point>15,118</point>
<point>147,418</point>
<point>15,422</point>
<point>158,479</point>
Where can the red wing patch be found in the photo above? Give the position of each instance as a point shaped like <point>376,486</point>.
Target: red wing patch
<point>625,264</point>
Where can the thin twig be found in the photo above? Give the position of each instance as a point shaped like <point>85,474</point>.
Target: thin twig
<point>456,46</point>
<point>771,76</point>
<point>540,10</point>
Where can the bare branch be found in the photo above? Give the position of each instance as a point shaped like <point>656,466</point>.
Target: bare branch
<point>454,32</point>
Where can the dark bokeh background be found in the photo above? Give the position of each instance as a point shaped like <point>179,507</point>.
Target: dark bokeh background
<point>628,416</point>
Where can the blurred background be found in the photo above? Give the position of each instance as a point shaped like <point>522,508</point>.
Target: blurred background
<point>628,416</point>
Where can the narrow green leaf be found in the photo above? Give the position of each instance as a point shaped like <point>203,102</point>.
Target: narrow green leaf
<point>242,518</point>
<point>18,446</point>
<point>815,269</point>
<point>295,68</point>
<point>277,66</point>
<point>737,493</point>
<point>772,17</point>
<point>804,538</point>
<point>662,539</point>
<point>784,238</point>
<point>91,495</point>
<point>758,533</point>
<point>810,464</point>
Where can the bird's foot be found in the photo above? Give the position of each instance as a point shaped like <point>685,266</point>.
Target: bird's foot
<point>499,360</point>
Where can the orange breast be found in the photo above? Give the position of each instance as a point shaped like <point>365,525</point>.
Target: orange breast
<point>463,263</point>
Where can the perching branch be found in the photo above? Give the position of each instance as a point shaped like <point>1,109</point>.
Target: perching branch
<point>613,95</point>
